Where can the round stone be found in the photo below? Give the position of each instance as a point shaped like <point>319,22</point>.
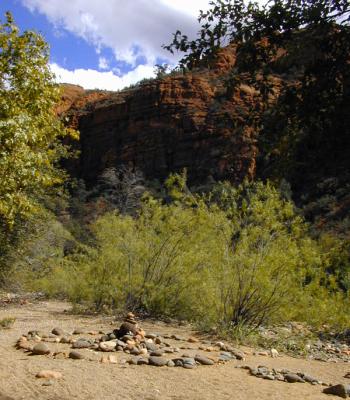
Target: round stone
<point>41,349</point>
<point>203,360</point>
<point>82,344</point>
<point>75,355</point>
<point>58,331</point>
<point>158,361</point>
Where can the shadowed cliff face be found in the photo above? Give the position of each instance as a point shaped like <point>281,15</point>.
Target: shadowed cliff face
<point>189,121</point>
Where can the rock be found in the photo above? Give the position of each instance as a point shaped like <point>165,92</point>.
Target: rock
<point>24,345</point>
<point>347,375</point>
<point>125,329</point>
<point>151,335</point>
<point>133,361</point>
<point>177,337</point>
<point>41,349</point>
<point>75,355</point>
<point>263,353</point>
<point>105,338</point>
<point>210,349</point>
<point>151,346</point>
<point>171,363</point>
<point>238,354</point>
<point>58,331</point>
<point>203,360</point>
<point>135,351</point>
<point>178,362</point>
<point>108,346</point>
<point>143,361</point>
<point>78,331</point>
<point>65,340</point>
<point>274,353</point>
<point>144,351</point>
<point>81,344</point>
<point>169,350</point>
<point>189,361</point>
<point>48,374</point>
<point>308,378</point>
<point>112,336</point>
<point>293,378</point>
<point>269,377</point>
<point>192,340</point>
<point>158,361</point>
<point>158,340</point>
<point>49,382</point>
<point>225,356</point>
<point>338,390</point>
<point>157,353</point>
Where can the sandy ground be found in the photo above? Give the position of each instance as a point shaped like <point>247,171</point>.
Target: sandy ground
<point>92,380</point>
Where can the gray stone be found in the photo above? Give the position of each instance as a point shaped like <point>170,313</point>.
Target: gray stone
<point>78,331</point>
<point>203,360</point>
<point>121,343</point>
<point>268,377</point>
<point>151,335</point>
<point>189,366</point>
<point>157,353</point>
<point>171,363</point>
<point>81,344</point>
<point>169,350</point>
<point>293,378</point>
<point>75,355</point>
<point>143,361</point>
<point>41,349</point>
<point>189,361</point>
<point>134,361</point>
<point>151,346</point>
<point>338,390</point>
<point>158,361</point>
<point>135,351</point>
<point>178,362</point>
<point>58,331</point>
<point>308,378</point>
<point>238,354</point>
<point>225,356</point>
<point>65,340</point>
<point>177,337</point>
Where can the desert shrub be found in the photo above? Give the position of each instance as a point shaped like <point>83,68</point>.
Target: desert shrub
<point>235,258</point>
<point>7,322</point>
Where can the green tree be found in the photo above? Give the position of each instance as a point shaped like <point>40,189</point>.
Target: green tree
<point>295,55</point>
<point>30,132</point>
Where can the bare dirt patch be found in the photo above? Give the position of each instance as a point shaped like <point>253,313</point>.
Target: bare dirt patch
<point>85,379</point>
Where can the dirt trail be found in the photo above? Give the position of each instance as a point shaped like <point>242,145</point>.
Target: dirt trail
<point>91,380</point>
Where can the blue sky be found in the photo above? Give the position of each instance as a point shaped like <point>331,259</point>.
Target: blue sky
<point>106,44</point>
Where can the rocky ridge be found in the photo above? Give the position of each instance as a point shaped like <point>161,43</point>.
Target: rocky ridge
<point>181,121</point>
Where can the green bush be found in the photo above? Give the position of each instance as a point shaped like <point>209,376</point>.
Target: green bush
<point>236,257</point>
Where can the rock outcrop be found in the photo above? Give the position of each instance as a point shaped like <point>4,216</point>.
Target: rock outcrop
<point>182,121</point>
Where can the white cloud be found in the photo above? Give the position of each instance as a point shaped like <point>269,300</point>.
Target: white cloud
<point>191,7</point>
<point>132,29</point>
<point>92,79</point>
<point>103,63</point>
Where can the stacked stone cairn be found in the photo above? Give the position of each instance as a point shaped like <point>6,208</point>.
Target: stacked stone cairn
<point>130,338</point>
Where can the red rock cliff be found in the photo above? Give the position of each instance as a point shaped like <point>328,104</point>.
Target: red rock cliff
<point>184,121</point>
